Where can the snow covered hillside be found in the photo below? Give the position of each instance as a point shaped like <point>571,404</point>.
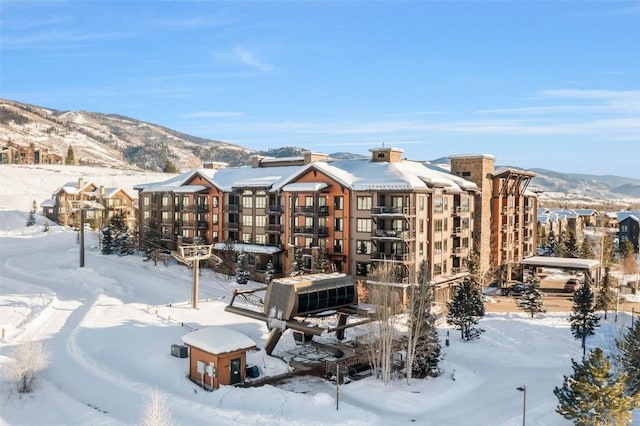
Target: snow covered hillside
<point>109,327</point>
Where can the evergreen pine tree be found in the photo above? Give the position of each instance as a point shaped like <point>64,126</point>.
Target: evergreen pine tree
<point>107,240</point>
<point>70,159</point>
<point>629,355</point>
<point>122,239</point>
<point>568,246</point>
<point>31,220</point>
<point>242,276</point>
<point>592,395</point>
<point>268,273</point>
<point>151,242</point>
<point>531,300</point>
<point>552,244</point>
<point>583,319</point>
<point>319,262</point>
<point>298,262</point>
<point>585,251</point>
<point>465,310</point>
<point>606,298</point>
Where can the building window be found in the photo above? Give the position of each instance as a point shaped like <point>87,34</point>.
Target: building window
<point>421,203</point>
<point>147,200</point>
<point>363,246</point>
<point>364,203</point>
<point>214,218</point>
<point>437,225</point>
<point>363,269</point>
<point>214,201</point>
<point>147,214</point>
<point>247,202</point>
<point>185,201</point>
<point>437,247</point>
<point>260,221</point>
<point>308,201</point>
<point>437,202</point>
<point>337,246</point>
<point>246,237</point>
<point>338,203</point>
<point>422,226</point>
<point>165,216</point>
<point>247,220</point>
<point>363,225</point>
<point>260,239</point>
<point>214,236</point>
<point>185,217</point>
<point>437,269</point>
<point>421,249</point>
<point>466,174</point>
<point>165,201</point>
<point>337,224</point>
<point>261,202</point>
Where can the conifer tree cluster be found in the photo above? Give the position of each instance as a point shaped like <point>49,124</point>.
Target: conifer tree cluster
<point>629,355</point>
<point>606,298</point>
<point>298,262</point>
<point>116,237</point>
<point>269,272</point>
<point>593,395</point>
<point>465,309</point>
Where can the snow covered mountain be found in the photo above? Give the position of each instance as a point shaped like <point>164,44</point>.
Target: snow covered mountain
<point>111,140</point>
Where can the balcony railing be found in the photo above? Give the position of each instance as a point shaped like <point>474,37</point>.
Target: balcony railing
<point>393,233</point>
<point>273,228</point>
<point>401,257</point>
<point>393,211</point>
<point>276,209</point>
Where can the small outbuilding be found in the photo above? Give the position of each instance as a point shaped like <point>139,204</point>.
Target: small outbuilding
<point>217,356</point>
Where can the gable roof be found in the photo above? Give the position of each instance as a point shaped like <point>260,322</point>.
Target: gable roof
<point>218,340</point>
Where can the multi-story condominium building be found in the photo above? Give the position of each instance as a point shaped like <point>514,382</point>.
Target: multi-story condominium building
<point>358,213</point>
<point>505,217</point>
<point>103,203</point>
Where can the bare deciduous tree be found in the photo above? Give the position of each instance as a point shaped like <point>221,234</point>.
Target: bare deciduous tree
<point>30,359</point>
<point>382,330</point>
<point>156,411</point>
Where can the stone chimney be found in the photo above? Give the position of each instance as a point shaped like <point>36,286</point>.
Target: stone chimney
<point>312,157</point>
<point>386,155</point>
<point>101,194</point>
<point>80,183</point>
<point>255,161</point>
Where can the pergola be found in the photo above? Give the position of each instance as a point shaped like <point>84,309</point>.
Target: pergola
<point>587,266</point>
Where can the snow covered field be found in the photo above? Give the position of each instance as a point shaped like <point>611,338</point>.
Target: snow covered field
<point>109,329</point>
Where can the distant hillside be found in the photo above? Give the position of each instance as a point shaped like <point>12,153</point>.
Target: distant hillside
<point>116,141</point>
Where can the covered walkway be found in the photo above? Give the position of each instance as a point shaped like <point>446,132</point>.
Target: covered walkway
<point>589,267</point>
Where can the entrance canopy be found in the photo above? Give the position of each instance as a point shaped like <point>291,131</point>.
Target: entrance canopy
<point>560,262</point>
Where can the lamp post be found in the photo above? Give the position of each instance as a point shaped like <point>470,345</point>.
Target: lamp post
<point>523,389</point>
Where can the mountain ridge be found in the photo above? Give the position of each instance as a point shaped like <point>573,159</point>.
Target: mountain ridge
<point>115,140</point>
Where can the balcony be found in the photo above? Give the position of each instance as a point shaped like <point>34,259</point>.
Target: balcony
<point>304,230</point>
<point>202,224</point>
<point>231,207</point>
<point>459,230</point>
<point>396,234</point>
<point>232,225</point>
<point>402,257</point>
<point>273,228</point>
<point>275,209</point>
<point>393,211</point>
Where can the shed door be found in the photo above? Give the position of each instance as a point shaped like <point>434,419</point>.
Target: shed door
<point>235,371</point>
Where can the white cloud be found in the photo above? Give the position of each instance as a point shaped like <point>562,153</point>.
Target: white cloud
<point>248,57</point>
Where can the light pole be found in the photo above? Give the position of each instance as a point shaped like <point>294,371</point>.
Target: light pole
<point>523,389</point>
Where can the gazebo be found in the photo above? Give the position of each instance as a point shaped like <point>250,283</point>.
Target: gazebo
<point>590,267</point>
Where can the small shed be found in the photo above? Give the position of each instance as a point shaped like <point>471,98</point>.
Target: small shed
<point>217,356</point>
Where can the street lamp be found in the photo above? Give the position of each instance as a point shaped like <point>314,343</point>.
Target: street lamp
<point>523,389</point>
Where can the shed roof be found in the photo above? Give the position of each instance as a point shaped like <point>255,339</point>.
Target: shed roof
<point>218,340</point>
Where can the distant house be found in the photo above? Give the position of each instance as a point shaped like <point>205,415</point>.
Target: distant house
<point>62,208</point>
<point>629,229</point>
<point>217,356</point>
<point>16,154</point>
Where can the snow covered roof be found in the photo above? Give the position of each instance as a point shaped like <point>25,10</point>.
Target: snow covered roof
<point>258,182</point>
<point>111,192</point>
<point>560,262</point>
<point>189,189</point>
<point>366,175</point>
<point>265,177</point>
<point>250,248</point>
<point>304,187</point>
<point>176,181</point>
<point>218,340</point>
<point>623,215</point>
<point>49,202</point>
<point>631,217</point>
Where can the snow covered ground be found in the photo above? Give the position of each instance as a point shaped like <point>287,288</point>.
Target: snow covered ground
<point>109,328</point>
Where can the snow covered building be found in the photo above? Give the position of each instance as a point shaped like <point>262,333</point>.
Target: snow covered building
<point>505,216</point>
<point>629,229</point>
<point>105,203</point>
<point>217,356</point>
<point>357,213</point>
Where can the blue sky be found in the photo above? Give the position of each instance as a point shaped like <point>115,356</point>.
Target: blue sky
<point>551,84</point>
